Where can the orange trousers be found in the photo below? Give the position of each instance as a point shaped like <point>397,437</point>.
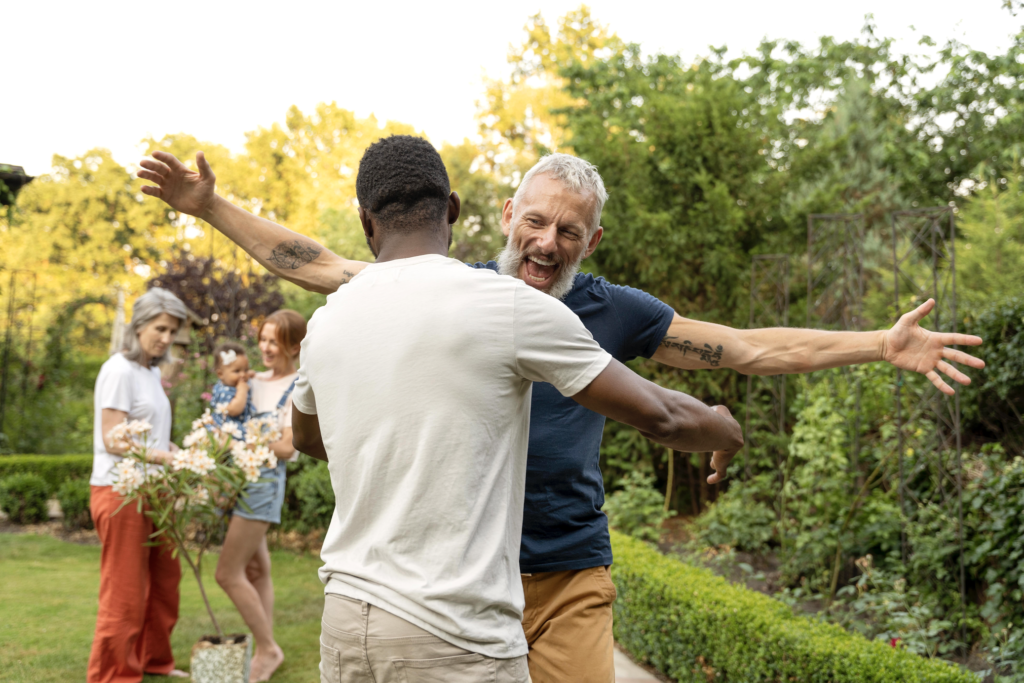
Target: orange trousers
<point>568,625</point>
<point>138,595</point>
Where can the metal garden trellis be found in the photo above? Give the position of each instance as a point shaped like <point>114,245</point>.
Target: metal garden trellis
<point>924,264</point>
<point>835,288</point>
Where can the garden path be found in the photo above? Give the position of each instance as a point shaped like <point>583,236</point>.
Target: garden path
<point>628,672</point>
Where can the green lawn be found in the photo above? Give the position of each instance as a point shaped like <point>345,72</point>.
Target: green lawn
<point>48,592</point>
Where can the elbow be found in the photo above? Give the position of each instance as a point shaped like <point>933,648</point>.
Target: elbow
<point>662,425</point>
<point>301,442</point>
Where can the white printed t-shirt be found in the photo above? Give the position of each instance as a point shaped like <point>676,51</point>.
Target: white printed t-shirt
<point>127,386</point>
<point>420,371</point>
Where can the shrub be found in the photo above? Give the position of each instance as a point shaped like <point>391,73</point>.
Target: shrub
<point>23,497</point>
<point>696,627</point>
<point>638,509</point>
<point>74,503</point>
<point>737,519</point>
<point>315,497</point>
<point>55,469</point>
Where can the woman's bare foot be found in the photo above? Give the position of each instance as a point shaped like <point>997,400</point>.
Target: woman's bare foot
<point>264,664</point>
<point>178,673</point>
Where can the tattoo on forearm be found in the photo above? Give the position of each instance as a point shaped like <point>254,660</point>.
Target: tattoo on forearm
<point>712,356</point>
<point>348,276</point>
<point>294,254</point>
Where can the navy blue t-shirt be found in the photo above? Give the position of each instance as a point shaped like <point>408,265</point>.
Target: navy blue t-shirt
<point>563,525</point>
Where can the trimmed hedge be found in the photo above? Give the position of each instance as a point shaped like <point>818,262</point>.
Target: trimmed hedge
<point>696,627</point>
<point>23,498</point>
<point>55,469</point>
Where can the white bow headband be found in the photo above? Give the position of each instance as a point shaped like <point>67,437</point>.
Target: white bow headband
<point>228,357</point>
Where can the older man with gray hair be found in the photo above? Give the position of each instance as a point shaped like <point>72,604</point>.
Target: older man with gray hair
<point>552,224</point>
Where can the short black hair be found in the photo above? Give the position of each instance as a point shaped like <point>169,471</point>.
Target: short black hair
<point>403,182</point>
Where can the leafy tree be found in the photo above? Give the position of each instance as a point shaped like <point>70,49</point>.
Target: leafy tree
<point>990,262</point>
<point>82,229</point>
<point>522,117</point>
<point>691,191</point>
<point>227,301</point>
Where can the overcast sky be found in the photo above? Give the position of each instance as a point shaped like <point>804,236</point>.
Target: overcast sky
<point>105,74</point>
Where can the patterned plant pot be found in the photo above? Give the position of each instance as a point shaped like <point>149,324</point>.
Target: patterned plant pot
<point>222,661</point>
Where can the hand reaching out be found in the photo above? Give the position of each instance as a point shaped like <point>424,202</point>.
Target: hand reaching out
<point>184,190</point>
<point>909,346</point>
<point>720,459</point>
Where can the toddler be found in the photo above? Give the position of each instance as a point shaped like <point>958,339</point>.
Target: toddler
<point>231,404</point>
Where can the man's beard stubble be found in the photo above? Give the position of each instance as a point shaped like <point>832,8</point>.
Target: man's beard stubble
<point>511,258</point>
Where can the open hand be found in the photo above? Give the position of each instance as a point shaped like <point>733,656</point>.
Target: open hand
<point>184,190</point>
<point>720,459</point>
<point>909,346</point>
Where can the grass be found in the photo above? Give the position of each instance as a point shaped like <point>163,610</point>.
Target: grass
<point>48,598</point>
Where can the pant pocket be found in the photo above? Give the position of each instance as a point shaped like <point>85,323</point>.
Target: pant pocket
<point>330,665</point>
<point>467,668</point>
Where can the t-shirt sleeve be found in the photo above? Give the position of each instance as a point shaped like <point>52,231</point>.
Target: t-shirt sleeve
<point>645,321</point>
<point>302,394</point>
<point>115,390</point>
<point>552,345</point>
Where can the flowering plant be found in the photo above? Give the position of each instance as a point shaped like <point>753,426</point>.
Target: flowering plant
<point>186,497</point>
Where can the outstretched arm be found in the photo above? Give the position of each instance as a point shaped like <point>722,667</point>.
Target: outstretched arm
<point>285,253</point>
<point>667,417</point>
<point>695,345</point>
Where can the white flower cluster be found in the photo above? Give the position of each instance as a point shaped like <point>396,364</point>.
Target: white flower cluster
<point>200,497</point>
<point>193,459</point>
<point>205,421</point>
<point>124,434</point>
<point>262,430</point>
<point>250,459</point>
<point>130,477</point>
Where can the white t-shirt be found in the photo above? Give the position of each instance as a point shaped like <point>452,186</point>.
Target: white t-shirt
<point>266,394</point>
<point>421,372</point>
<point>129,387</point>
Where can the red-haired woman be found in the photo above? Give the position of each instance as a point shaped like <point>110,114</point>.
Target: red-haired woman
<point>243,570</point>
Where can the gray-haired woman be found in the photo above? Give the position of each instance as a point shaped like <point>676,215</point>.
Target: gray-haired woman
<point>138,583</point>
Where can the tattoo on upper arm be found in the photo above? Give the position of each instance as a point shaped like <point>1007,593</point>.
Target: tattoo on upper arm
<point>712,356</point>
<point>348,275</point>
<point>294,254</point>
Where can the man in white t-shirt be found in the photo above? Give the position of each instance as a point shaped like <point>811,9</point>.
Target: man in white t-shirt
<point>415,387</point>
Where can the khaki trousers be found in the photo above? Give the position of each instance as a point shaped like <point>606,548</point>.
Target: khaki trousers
<point>360,642</point>
<point>568,625</point>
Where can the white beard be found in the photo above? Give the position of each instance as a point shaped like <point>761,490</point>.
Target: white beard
<point>511,258</point>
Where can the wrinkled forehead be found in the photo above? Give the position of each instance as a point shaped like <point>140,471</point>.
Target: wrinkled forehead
<point>550,195</point>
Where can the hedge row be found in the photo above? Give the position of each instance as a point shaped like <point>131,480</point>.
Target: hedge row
<point>55,469</point>
<point>696,627</point>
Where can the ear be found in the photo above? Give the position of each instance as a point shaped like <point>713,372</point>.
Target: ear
<point>454,208</point>
<point>595,240</point>
<point>506,218</point>
<point>364,218</point>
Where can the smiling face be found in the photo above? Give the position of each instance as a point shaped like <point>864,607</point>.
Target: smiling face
<point>550,232</point>
<point>276,357</point>
<point>158,335</point>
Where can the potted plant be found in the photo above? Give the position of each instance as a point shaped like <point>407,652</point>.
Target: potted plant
<point>186,500</point>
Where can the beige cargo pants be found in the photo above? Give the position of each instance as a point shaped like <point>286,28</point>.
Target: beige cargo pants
<point>362,643</point>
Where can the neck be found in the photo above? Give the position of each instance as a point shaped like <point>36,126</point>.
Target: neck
<point>283,370</point>
<point>418,243</point>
